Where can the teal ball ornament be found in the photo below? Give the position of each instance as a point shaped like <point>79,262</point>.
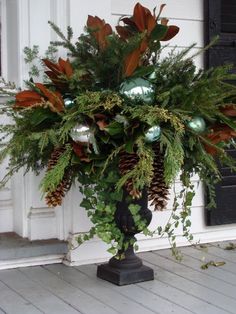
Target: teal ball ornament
<point>69,102</point>
<point>153,76</point>
<point>153,134</point>
<point>197,124</point>
<point>138,88</point>
<point>81,133</point>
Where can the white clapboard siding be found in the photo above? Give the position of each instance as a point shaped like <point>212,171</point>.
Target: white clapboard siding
<point>6,207</point>
<point>181,9</point>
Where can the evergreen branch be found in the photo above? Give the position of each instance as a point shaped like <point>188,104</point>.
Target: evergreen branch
<point>54,176</point>
<point>66,41</point>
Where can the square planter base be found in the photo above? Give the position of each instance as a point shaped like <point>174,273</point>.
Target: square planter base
<point>123,277</point>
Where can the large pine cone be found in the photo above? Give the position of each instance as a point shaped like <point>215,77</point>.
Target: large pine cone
<point>54,198</point>
<point>158,191</point>
<point>127,162</point>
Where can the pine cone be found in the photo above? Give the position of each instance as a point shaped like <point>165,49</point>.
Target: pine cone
<point>54,198</point>
<point>127,162</point>
<point>158,191</point>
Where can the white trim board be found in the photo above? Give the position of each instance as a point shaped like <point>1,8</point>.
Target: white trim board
<point>94,251</point>
<point>31,261</point>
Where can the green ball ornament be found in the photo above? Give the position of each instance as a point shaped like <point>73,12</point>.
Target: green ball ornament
<point>81,133</point>
<point>153,134</point>
<point>138,88</point>
<point>153,75</point>
<point>68,102</point>
<point>197,124</point>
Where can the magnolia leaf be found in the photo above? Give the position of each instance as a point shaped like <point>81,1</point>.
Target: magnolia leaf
<point>228,121</point>
<point>123,32</point>
<point>131,62</point>
<point>129,146</point>
<point>114,128</point>
<point>229,110</point>
<point>143,71</point>
<point>40,115</point>
<point>159,32</point>
<point>129,21</point>
<point>164,21</point>
<point>139,16</point>
<point>160,11</point>
<point>104,137</point>
<point>52,66</point>
<point>171,32</point>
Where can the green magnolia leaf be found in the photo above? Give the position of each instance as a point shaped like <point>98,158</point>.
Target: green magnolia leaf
<point>159,32</point>
<point>104,137</point>
<point>228,121</point>
<point>143,71</point>
<point>129,146</point>
<point>40,115</point>
<point>115,128</point>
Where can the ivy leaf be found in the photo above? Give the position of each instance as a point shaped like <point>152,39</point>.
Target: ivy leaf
<point>86,204</point>
<point>112,250</point>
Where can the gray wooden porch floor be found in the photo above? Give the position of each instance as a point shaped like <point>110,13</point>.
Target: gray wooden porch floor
<point>180,288</point>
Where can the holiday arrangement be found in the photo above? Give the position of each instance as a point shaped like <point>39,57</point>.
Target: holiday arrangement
<point>123,121</point>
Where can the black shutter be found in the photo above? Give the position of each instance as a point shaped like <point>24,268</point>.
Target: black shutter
<point>220,20</point>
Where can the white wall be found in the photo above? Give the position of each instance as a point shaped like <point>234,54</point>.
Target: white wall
<point>29,27</point>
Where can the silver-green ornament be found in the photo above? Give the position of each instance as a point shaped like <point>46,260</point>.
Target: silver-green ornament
<point>68,102</point>
<point>153,134</point>
<point>197,124</point>
<point>153,75</point>
<point>81,133</point>
<point>138,88</point>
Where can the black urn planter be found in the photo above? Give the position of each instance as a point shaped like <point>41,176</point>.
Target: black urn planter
<point>130,268</point>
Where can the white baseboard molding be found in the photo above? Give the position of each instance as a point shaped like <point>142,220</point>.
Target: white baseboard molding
<point>94,251</point>
<point>31,261</point>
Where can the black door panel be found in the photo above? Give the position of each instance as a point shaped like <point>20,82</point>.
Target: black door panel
<point>220,20</point>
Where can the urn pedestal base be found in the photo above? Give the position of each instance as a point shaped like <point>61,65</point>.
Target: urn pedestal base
<point>123,277</point>
<point>129,268</point>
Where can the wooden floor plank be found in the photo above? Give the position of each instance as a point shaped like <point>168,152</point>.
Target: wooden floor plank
<point>40,297</point>
<point>216,299</point>
<point>193,263</point>
<point>3,312</point>
<point>19,306</point>
<point>56,282</point>
<point>227,255</point>
<point>138,294</point>
<point>184,271</point>
<point>176,296</point>
<point>206,256</point>
<point>98,289</point>
<point>223,245</point>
